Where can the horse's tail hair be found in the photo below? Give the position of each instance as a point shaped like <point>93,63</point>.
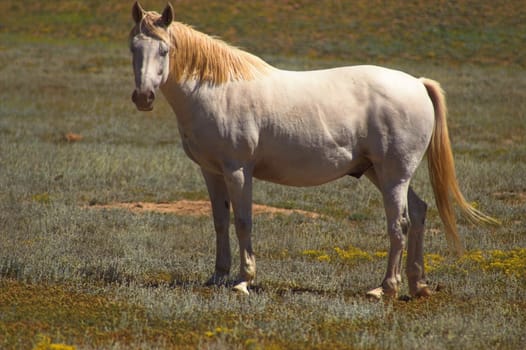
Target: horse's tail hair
<point>442,172</point>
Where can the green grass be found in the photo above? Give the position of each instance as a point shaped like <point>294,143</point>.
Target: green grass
<point>111,279</point>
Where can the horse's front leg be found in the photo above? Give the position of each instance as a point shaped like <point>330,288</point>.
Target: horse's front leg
<point>220,201</point>
<point>239,184</point>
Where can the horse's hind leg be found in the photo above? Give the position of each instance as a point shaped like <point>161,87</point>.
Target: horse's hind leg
<point>415,246</point>
<point>395,203</point>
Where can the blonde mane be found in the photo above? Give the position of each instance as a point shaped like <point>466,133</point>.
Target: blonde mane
<point>195,55</point>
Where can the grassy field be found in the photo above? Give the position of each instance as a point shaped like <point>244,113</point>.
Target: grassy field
<point>74,276</point>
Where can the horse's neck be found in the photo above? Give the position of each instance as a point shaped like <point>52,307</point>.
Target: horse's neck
<point>182,97</point>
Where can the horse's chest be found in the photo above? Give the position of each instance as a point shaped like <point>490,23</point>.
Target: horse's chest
<point>206,157</point>
<point>212,150</point>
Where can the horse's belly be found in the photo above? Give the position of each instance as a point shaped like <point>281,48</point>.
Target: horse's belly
<point>307,169</point>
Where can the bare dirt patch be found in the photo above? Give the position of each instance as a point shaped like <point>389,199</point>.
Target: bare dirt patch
<point>511,197</point>
<point>197,208</point>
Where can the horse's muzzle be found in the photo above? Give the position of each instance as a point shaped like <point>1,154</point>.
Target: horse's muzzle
<point>143,100</point>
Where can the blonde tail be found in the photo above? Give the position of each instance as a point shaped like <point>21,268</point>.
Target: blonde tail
<point>442,172</point>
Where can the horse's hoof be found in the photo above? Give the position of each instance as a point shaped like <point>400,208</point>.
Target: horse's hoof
<point>379,293</point>
<point>423,292</point>
<point>242,288</point>
<point>375,294</point>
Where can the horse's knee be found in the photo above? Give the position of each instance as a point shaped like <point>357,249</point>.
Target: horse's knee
<point>243,226</point>
<point>221,226</point>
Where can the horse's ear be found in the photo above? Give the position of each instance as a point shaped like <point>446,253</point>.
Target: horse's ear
<point>137,12</point>
<point>168,15</point>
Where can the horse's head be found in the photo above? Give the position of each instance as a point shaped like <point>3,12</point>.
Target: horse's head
<point>150,49</point>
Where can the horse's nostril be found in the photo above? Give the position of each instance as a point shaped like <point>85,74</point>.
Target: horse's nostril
<point>143,99</point>
<point>151,96</point>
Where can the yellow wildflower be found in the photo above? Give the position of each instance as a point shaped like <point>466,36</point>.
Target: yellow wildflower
<point>380,254</point>
<point>352,254</point>
<point>432,261</point>
<point>44,343</point>
<point>324,258</point>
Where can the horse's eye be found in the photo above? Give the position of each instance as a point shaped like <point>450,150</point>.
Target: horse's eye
<point>163,51</point>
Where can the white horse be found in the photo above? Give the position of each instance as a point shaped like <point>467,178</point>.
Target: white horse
<point>240,118</point>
